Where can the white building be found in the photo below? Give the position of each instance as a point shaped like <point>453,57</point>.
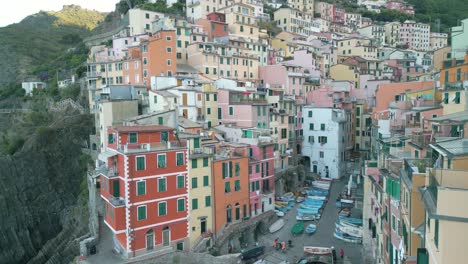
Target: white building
<point>415,35</point>
<point>438,40</point>
<point>28,87</point>
<point>324,140</point>
<point>374,32</point>
<point>141,21</point>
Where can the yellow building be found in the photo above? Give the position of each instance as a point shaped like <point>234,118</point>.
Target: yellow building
<point>347,47</point>
<point>241,20</point>
<point>343,72</point>
<point>446,225</point>
<point>211,114</point>
<point>306,6</point>
<point>453,100</point>
<point>293,20</point>
<point>200,194</point>
<point>216,60</point>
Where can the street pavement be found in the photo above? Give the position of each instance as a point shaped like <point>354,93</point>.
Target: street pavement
<point>323,237</point>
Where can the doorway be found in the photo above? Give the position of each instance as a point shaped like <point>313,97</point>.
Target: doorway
<point>150,240</point>
<point>166,236</point>
<point>203,226</point>
<point>314,169</point>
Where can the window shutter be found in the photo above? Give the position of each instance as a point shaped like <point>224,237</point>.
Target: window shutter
<point>224,170</point>
<point>230,169</point>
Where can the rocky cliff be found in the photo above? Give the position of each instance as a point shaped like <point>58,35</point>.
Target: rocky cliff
<point>43,193</point>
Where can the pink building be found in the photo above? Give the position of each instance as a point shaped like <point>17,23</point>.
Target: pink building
<point>287,76</point>
<point>326,10</point>
<point>414,35</point>
<point>243,108</point>
<point>339,15</point>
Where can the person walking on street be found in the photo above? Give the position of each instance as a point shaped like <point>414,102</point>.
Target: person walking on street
<point>275,244</point>
<point>333,253</point>
<point>341,253</point>
<point>283,246</point>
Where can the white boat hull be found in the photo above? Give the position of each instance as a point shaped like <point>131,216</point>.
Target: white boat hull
<point>276,226</point>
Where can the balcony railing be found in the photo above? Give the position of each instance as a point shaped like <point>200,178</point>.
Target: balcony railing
<point>165,145</point>
<point>201,152</point>
<point>93,74</point>
<point>117,201</point>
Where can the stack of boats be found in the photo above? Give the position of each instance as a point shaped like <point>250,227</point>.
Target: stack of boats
<point>284,203</point>
<point>314,202</point>
<point>349,229</point>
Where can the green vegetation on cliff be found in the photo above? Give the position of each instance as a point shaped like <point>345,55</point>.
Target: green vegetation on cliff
<point>44,38</point>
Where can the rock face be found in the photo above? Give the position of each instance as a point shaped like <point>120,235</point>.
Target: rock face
<point>41,209</point>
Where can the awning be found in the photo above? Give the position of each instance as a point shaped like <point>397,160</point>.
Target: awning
<point>106,155</point>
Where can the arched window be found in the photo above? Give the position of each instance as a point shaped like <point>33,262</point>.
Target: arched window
<point>237,211</point>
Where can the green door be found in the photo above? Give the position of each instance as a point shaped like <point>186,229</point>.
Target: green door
<point>115,188</point>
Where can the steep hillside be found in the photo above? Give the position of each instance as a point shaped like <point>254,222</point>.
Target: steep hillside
<point>448,11</point>
<point>41,38</point>
<point>43,190</point>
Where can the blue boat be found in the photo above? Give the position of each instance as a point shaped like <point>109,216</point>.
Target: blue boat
<point>312,200</point>
<point>310,229</point>
<point>310,207</point>
<point>308,211</point>
<point>313,204</point>
<point>317,192</point>
<point>355,221</point>
<point>282,209</point>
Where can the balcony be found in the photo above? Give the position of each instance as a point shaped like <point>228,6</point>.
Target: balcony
<point>93,74</point>
<point>117,201</point>
<point>237,99</point>
<point>402,105</point>
<point>160,146</point>
<point>200,117</point>
<point>201,152</point>
<point>110,172</point>
<point>420,140</point>
<point>426,103</point>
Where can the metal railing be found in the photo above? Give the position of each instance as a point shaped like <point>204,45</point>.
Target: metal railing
<point>165,145</point>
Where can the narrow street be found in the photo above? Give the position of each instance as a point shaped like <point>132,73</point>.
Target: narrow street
<point>323,237</point>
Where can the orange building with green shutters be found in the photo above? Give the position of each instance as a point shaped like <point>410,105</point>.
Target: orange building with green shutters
<point>144,186</point>
<point>231,185</point>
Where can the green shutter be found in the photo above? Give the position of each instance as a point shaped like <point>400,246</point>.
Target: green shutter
<point>207,201</point>
<point>142,212</point>
<point>133,137</point>
<point>180,159</point>
<point>224,170</point>
<point>194,204</point>
<point>180,181</point>
<point>257,185</point>
<point>231,110</point>
<point>111,139</point>
<point>206,180</point>
<point>237,185</point>
<point>194,183</point>
<point>436,233</point>
<point>194,163</point>
<point>162,209</point>
<point>250,169</point>
<point>161,185</point>
<point>196,143</point>
<point>257,168</point>
<point>140,163</point>
<point>160,120</point>
<point>237,168</point>
<point>180,205</point>
<point>205,162</point>
<point>141,188</point>
<point>227,187</point>
<point>230,169</point>
<point>162,161</point>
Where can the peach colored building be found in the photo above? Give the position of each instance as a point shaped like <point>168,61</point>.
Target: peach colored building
<point>159,55</point>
